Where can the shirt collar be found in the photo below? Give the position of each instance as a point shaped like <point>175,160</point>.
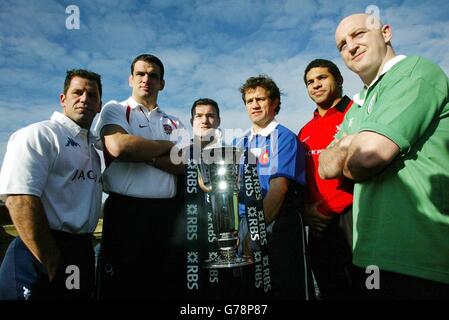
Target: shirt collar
<point>70,125</point>
<point>387,66</point>
<point>359,98</point>
<point>134,104</point>
<point>265,131</point>
<point>339,107</point>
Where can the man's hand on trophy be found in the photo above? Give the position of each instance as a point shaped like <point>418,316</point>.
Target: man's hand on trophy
<point>246,246</point>
<point>201,183</point>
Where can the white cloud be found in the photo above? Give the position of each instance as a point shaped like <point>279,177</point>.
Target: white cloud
<point>16,116</point>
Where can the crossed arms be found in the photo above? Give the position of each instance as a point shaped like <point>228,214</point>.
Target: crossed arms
<point>127,147</point>
<point>357,156</point>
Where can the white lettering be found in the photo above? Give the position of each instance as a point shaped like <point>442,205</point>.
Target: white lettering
<point>73,280</point>
<point>208,311</point>
<point>73,20</point>
<point>372,281</point>
<point>213,276</point>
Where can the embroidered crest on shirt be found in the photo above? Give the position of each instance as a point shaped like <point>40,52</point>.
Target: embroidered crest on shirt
<point>371,103</point>
<point>350,122</point>
<point>167,129</point>
<point>264,157</point>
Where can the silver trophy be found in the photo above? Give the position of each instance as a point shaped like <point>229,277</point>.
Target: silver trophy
<point>219,171</point>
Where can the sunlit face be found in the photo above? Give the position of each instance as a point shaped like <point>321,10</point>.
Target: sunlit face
<point>146,81</point>
<point>204,120</point>
<point>322,86</point>
<point>362,44</point>
<point>82,101</point>
<point>260,108</point>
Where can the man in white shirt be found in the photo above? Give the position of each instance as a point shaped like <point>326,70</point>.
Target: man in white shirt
<point>51,179</point>
<point>141,249</point>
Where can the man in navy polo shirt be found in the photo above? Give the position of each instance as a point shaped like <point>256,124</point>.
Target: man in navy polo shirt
<point>281,171</point>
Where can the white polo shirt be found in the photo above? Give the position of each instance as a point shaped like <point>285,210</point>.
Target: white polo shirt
<point>56,161</point>
<point>138,179</point>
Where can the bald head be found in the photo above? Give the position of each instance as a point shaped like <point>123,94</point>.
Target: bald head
<point>364,44</point>
<point>369,21</point>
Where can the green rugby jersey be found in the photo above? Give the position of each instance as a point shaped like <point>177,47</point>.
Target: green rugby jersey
<point>401,215</point>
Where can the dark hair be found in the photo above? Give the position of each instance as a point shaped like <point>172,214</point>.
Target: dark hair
<point>150,59</point>
<point>205,101</point>
<point>323,63</point>
<point>265,82</point>
<point>85,74</point>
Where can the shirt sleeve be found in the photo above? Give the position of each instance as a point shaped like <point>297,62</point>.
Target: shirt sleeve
<point>288,158</point>
<point>28,160</point>
<point>112,113</point>
<point>179,124</point>
<point>404,111</point>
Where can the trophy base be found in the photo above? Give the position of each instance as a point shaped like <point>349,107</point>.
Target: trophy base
<point>224,264</point>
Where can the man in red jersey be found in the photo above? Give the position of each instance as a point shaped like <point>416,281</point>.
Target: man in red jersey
<point>328,202</point>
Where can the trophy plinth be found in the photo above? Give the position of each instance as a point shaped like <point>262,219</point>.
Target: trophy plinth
<point>228,258</point>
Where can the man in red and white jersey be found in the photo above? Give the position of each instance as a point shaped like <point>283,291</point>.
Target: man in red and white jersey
<point>328,202</point>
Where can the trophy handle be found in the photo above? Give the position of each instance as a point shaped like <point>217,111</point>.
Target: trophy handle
<point>205,184</point>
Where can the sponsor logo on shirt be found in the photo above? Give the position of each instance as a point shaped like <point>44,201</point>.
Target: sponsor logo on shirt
<point>86,175</point>
<point>314,152</point>
<point>71,143</point>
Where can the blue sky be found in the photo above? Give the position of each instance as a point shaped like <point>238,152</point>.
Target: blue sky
<point>209,49</point>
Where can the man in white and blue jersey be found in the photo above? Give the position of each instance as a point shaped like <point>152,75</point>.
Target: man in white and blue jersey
<point>281,171</point>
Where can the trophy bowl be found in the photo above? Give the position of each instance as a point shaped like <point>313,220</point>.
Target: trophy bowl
<point>219,171</point>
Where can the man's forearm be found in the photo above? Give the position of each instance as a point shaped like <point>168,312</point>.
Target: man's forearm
<point>333,159</point>
<point>164,163</point>
<point>271,207</point>
<point>368,154</point>
<point>28,216</point>
<point>274,199</point>
<point>136,149</point>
